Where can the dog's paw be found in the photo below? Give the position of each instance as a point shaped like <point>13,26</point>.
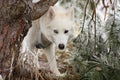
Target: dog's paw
<point>61,75</point>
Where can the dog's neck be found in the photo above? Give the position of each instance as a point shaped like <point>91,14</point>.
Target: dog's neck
<point>44,42</point>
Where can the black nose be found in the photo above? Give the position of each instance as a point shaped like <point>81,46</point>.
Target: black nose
<point>61,46</point>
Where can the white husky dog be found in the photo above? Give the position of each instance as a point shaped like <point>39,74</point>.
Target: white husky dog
<point>53,30</point>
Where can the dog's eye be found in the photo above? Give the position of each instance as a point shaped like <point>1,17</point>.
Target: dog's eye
<point>55,31</point>
<point>66,31</point>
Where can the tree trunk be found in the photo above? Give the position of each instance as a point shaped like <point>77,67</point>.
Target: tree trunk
<point>15,20</point>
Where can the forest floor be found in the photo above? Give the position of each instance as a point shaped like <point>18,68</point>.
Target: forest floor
<point>63,63</point>
<point>37,66</point>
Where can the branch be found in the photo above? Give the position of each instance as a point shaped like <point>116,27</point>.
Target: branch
<point>17,9</point>
<point>41,7</point>
<point>84,15</point>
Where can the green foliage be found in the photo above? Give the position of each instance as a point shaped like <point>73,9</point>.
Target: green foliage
<point>104,62</point>
<point>96,58</point>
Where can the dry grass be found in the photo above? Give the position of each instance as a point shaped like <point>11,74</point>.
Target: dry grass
<point>38,67</point>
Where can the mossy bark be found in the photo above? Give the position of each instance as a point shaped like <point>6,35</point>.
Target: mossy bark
<point>15,20</point>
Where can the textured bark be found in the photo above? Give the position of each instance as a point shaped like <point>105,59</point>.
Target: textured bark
<point>15,20</point>
<point>39,9</point>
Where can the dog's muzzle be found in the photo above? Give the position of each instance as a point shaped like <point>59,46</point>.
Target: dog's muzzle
<point>44,42</point>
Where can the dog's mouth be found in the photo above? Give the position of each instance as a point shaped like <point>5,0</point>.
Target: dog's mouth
<point>61,50</point>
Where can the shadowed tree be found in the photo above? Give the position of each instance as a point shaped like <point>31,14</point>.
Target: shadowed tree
<point>15,20</point>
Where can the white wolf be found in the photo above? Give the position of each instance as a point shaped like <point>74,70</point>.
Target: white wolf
<point>53,30</point>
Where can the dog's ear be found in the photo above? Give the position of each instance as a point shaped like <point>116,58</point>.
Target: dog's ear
<point>51,13</point>
<point>70,13</point>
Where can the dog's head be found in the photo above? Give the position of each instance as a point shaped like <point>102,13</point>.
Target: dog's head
<point>59,27</point>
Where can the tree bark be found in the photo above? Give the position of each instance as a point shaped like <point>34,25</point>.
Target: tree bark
<point>41,7</point>
<point>15,20</point>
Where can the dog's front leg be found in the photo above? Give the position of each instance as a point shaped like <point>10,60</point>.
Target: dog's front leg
<point>50,53</point>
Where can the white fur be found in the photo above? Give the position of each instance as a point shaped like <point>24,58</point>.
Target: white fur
<point>1,77</point>
<point>56,18</point>
<point>32,37</point>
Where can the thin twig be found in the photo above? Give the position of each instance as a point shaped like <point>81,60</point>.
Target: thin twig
<point>11,66</point>
<point>95,31</point>
<point>84,15</point>
<point>93,13</point>
<point>105,6</point>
